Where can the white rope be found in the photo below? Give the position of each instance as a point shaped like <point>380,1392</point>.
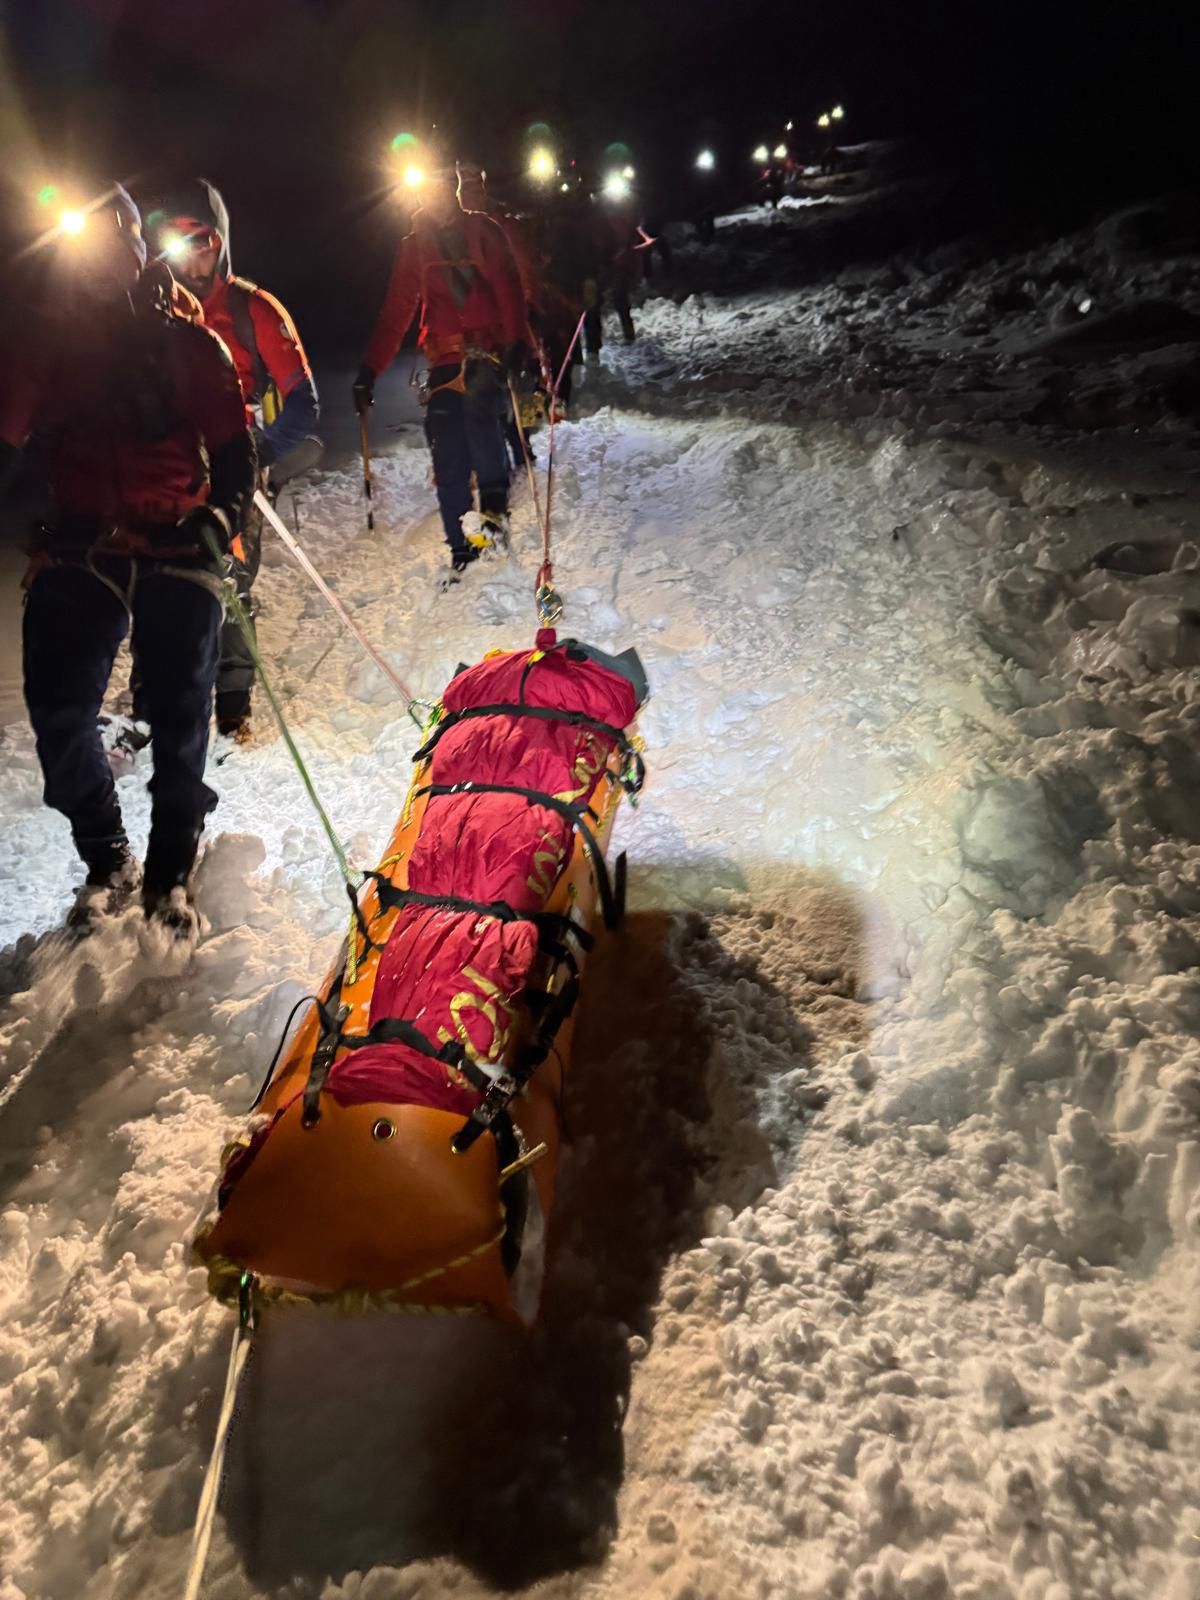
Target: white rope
<point>207,1510</point>
<point>272,516</point>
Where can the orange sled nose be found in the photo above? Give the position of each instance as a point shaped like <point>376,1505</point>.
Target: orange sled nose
<point>370,1199</point>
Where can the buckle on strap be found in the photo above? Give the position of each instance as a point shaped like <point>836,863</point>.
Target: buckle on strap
<point>486,1114</point>
<point>326,1048</point>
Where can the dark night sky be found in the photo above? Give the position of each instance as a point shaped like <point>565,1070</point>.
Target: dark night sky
<point>288,104</point>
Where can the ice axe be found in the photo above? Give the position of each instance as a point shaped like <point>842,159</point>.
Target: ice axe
<point>366,458</point>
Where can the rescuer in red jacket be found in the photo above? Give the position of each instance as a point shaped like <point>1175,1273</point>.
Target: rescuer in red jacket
<point>137,414</point>
<point>457,267</point>
<point>191,229</point>
<point>473,196</point>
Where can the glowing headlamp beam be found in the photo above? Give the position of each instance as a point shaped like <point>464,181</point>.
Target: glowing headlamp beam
<point>72,221</point>
<point>542,165</point>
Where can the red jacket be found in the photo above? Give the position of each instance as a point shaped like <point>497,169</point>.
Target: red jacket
<point>275,334</point>
<point>141,418</point>
<point>465,280</point>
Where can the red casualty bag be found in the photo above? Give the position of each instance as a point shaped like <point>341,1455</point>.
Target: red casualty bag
<point>405,1150</point>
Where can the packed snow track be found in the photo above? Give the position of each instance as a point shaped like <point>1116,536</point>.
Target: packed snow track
<point>876,1270</point>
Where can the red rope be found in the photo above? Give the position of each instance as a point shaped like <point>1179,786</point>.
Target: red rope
<point>546,571</point>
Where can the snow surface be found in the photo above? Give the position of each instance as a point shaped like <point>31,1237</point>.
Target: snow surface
<point>876,1273</point>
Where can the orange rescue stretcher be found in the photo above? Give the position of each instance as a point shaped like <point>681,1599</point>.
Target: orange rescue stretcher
<point>404,1152</point>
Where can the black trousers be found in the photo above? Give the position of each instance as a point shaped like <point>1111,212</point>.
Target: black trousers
<point>235,673</point>
<point>617,286</point>
<point>75,619</point>
<point>466,434</point>
<point>235,670</point>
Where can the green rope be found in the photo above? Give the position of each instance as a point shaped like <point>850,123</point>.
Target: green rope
<point>353,878</point>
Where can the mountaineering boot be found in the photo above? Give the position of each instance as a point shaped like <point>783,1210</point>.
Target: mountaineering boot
<point>123,738</point>
<point>460,560</point>
<point>232,709</point>
<point>486,530</point>
<point>114,877</point>
<point>238,729</point>
<point>495,529</point>
<point>166,887</point>
<point>174,916</point>
<point>628,330</point>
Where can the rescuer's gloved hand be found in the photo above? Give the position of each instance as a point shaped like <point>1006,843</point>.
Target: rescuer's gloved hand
<point>364,391</point>
<point>204,524</point>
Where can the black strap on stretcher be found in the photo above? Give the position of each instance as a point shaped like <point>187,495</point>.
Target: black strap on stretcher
<point>398,1030</point>
<point>553,927</point>
<point>498,1090</point>
<point>612,899</point>
<point>636,768</point>
<point>550,1012</point>
<point>331,1015</point>
<point>553,931</point>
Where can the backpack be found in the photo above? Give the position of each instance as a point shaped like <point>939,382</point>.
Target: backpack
<point>266,395</point>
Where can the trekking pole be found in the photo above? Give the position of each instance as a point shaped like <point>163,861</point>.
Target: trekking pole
<point>366,458</point>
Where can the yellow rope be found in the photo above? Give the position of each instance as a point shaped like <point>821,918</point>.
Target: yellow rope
<point>224,1279</point>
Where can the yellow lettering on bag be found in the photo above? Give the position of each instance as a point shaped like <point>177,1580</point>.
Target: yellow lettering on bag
<point>489,1003</point>
<point>546,863</point>
<point>590,759</point>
